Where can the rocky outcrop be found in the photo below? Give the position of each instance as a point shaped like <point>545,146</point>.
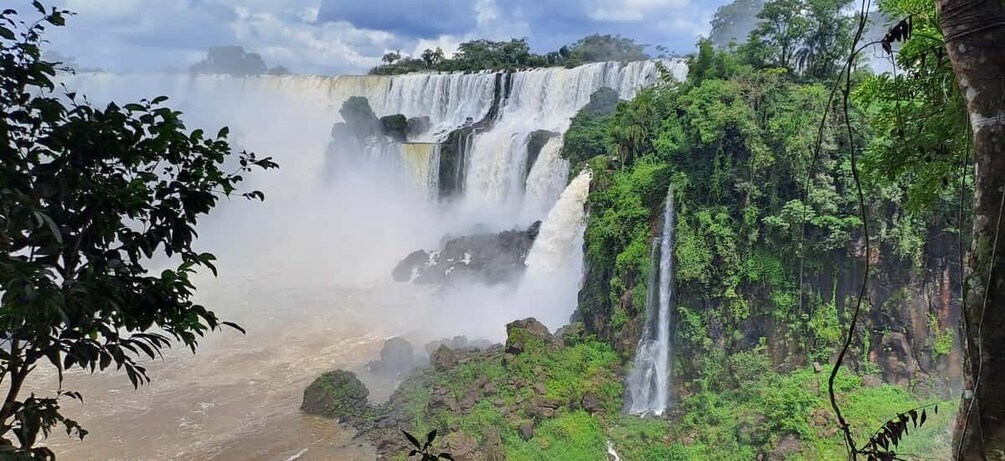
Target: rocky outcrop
<point>538,139</point>
<point>455,148</point>
<point>416,126</point>
<point>526,335</point>
<point>396,358</point>
<point>339,395</point>
<point>517,394</point>
<point>394,127</point>
<point>486,258</point>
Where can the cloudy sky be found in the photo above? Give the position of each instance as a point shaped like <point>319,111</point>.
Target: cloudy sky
<point>349,36</point>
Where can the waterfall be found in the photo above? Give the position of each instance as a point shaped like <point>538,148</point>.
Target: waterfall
<point>649,379</point>
<point>541,99</point>
<point>422,162</point>
<point>555,242</point>
<point>545,181</point>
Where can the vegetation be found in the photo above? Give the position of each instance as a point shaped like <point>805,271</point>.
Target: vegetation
<point>89,196</point>
<point>483,54</point>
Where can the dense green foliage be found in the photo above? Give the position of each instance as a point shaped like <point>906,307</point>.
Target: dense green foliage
<point>565,375</point>
<point>786,415</point>
<point>89,196</point>
<point>483,54</point>
<point>809,36</point>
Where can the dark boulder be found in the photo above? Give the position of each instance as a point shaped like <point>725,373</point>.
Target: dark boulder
<point>395,127</point>
<point>359,118</point>
<point>416,126</point>
<point>488,258</point>
<point>396,358</point>
<point>337,394</point>
<point>537,140</point>
<point>404,270</point>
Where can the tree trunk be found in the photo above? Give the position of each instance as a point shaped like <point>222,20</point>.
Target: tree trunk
<point>975,34</point>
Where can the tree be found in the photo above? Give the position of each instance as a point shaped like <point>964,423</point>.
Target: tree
<point>780,31</point>
<point>390,57</point>
<point>596,48</point>
<point>432,58</point>
<point>734,22</point>
<point>974,31</point>
<point>89,195</point>
<point>230,60</point>
<point>828,37</point>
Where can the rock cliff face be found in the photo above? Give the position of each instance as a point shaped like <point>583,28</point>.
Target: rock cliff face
<point>486,258</point>
<point>517,387</point>
<point>908,329</point>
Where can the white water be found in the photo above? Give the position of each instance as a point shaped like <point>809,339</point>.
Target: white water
<point>422,161</point>
<point>649,379</point>
<point>541,99</point>
<point>612,455</point>
<point>545,181</point>
<point>307,272</point>
<point>554,274</point>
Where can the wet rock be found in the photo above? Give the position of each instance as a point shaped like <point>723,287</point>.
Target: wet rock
<point>526,335</point>
<point>417,126</point>
<point>396,358</point>
<point>404,270</point>
<point>538,139</point>
<point>489,258</point>
<point>337,394</point>
<point>394,127</point>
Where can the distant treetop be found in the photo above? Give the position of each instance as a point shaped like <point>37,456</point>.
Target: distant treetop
<point>483,54</point>
<point>233,60</point>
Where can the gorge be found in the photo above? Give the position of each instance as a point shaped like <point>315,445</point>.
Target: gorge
<point>408,206</point>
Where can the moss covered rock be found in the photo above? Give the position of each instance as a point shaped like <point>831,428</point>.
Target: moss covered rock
<point>395,127</point>
<point>337,394</point>
<point>527,335</point>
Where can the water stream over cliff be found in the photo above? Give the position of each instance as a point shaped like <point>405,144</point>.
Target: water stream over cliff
<point>649,379</point>
<point>307,272</point>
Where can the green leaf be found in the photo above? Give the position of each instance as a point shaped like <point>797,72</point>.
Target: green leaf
<point>412,439</point>
<point>6,33</point>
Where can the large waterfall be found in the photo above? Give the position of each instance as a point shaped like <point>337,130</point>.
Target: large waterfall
<point>649,379</point>
<point>322,245</point>
<point>555,263</point>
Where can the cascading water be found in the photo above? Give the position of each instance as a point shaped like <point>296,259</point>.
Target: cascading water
<point>541,99</point>
<point>649,379</point>
<point>555,262</point>
<point>554,243</point>
<point>545,181</point>
<point>421,161</point>
<point>321,248</point>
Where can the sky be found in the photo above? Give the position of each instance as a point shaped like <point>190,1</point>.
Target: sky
<point>349,36</point>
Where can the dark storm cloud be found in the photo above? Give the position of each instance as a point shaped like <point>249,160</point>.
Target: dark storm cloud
<point>409,18</point>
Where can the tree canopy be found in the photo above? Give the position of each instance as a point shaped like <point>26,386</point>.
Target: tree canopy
<point>484,54</point>
<point>89,195</point>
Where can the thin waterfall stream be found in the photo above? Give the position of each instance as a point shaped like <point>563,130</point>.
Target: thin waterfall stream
<point>649,379</point>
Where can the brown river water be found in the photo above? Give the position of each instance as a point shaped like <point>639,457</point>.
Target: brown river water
<point>238,398</point>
